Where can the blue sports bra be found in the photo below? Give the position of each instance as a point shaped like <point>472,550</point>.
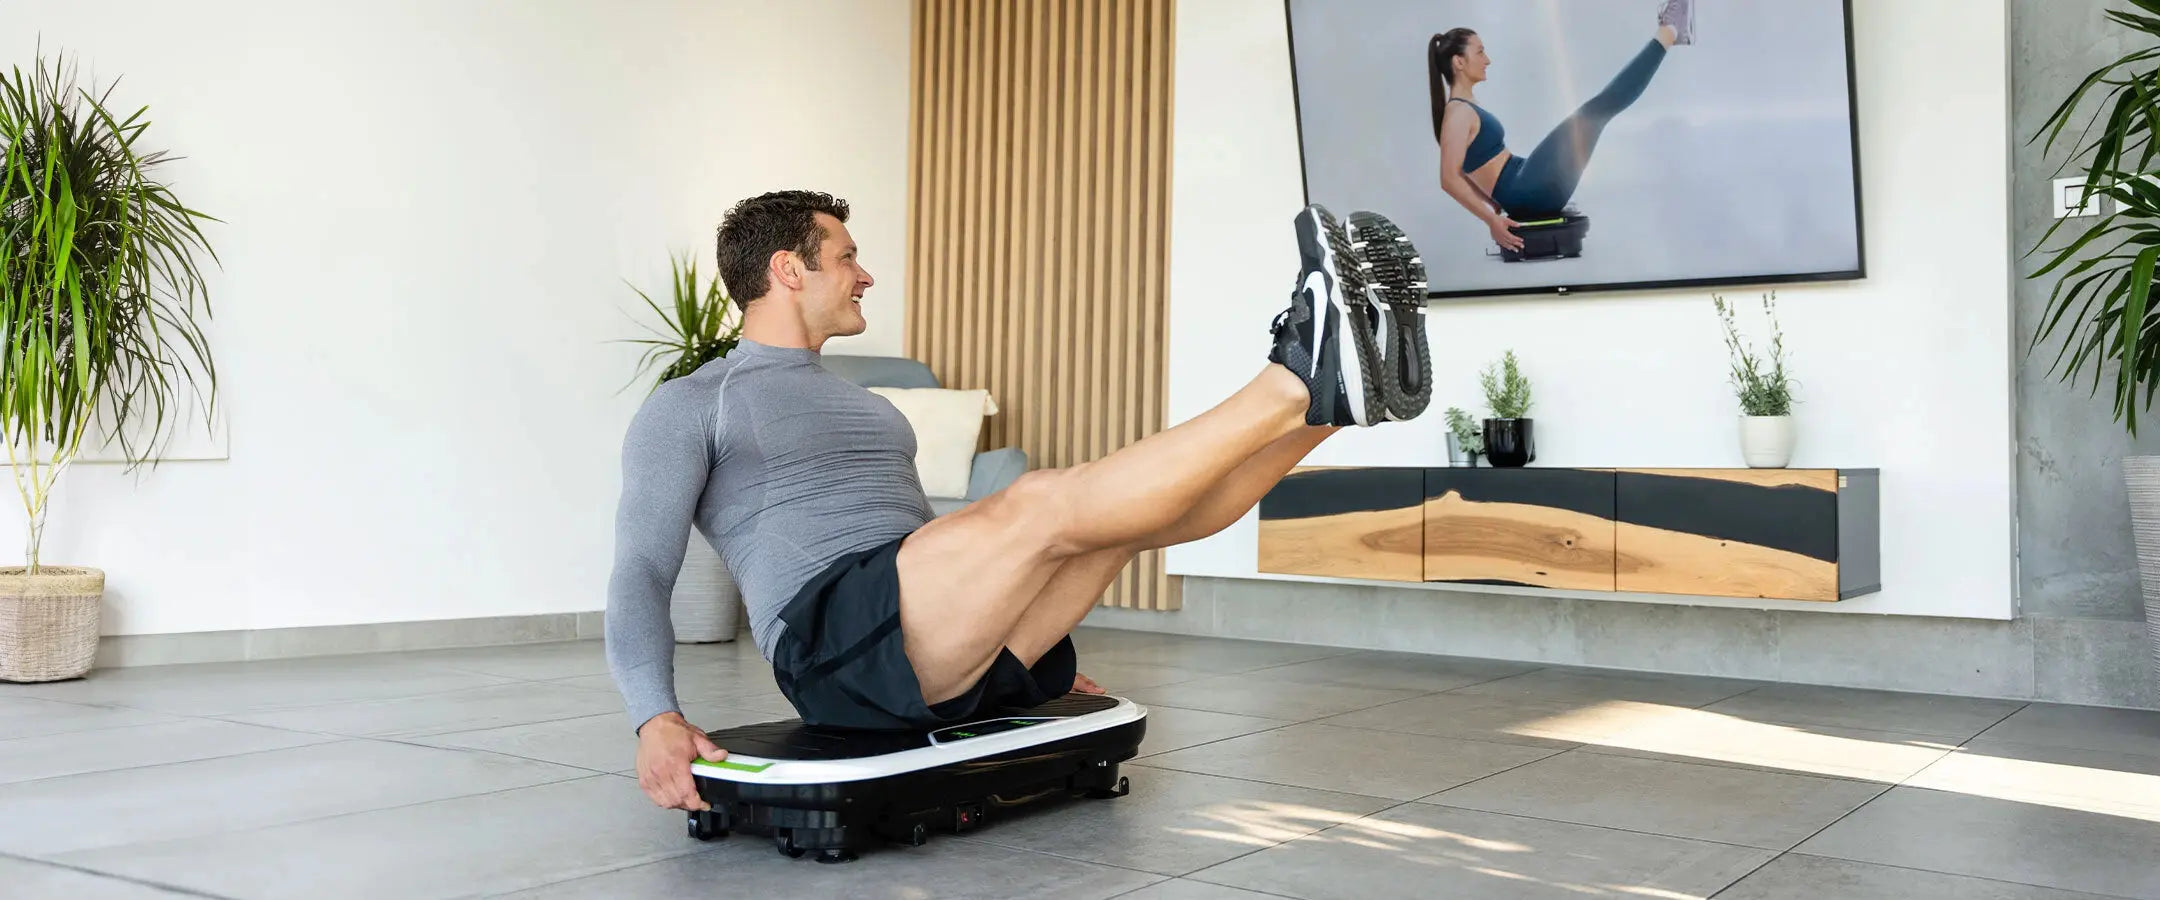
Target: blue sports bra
<point>1489,141</point>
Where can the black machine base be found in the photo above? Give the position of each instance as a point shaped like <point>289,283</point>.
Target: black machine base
<point>1549,236</point>
<point>834,821</point>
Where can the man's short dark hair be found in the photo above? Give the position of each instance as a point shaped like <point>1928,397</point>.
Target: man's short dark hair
<point>764,225</point>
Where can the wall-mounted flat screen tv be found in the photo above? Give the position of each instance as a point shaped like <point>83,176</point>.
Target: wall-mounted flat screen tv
<point>1553,146</point>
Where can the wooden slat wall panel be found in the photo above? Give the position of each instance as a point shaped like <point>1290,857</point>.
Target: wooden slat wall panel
<point>1038,183</point>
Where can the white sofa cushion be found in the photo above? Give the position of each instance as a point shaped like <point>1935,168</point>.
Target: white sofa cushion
<point>948,426</point>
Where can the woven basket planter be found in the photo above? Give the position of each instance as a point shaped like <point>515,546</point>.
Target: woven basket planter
<point>49,622</point>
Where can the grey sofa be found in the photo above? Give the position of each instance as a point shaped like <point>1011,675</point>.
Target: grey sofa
<point>993,469</point>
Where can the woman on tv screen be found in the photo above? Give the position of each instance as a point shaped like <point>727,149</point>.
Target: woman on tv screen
<point>1476,167</point>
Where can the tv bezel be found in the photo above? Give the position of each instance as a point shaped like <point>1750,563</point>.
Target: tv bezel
<point>1852,109</point>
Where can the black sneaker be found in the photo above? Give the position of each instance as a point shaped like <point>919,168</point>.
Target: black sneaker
<point>1394,276</point>
<point>1329,323</point>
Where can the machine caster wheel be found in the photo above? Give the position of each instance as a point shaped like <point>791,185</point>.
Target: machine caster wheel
<point>705,826</point>
<point>1124,786</point>
<point>919,835</point>
<point>786,845</point>
<point>833,857</point>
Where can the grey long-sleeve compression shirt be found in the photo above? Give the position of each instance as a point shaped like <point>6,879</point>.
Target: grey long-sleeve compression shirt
<point>781,465</point>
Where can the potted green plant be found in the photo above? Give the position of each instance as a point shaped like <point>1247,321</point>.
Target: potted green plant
<point>1509,441</point>
<point>99,293</point>
<point>1765,392</point>
<point>2103,293</point>
<point>1465,442</point>
<point>698,325</point>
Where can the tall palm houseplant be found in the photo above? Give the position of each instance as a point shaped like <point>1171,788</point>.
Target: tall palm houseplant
<point>99,292</point>
<point>699,324</point>
<point>2103,304</point>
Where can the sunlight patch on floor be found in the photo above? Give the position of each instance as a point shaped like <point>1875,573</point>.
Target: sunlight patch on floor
<point>1265,824</point>
<point>1916,761</point>
<point>2089,789</point>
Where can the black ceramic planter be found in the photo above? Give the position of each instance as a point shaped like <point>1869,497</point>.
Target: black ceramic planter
<point>1508,443</point>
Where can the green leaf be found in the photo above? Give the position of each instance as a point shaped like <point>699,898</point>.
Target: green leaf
<point>2134,316</point>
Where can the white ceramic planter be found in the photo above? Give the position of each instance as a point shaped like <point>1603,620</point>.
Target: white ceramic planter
<point>2141,475</point>
<point>707,605</point>
<point>1766,442</point>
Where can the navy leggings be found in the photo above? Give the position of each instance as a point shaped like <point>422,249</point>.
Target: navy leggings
<point>1544,181</point>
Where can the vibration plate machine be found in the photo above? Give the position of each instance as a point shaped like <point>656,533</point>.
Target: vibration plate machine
<point>1549,236</point>
<point>835,792</point>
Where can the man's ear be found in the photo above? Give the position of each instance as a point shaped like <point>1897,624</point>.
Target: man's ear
<point>786,269</point>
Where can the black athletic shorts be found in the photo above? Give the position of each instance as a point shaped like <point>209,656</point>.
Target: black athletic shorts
<point>841,663</point>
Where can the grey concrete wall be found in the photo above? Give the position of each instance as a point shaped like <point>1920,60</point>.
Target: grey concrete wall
<point>2079,635</point>
<point>2077,572</point>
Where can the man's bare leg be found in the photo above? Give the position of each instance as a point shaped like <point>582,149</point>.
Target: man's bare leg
<point>968,577</point>
<point>1238,494</point>
<point>1078,584</point>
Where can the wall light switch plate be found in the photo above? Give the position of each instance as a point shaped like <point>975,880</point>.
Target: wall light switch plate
<point>2066,197</point>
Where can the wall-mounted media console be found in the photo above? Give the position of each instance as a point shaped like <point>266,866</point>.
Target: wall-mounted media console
<point>1779,534</point>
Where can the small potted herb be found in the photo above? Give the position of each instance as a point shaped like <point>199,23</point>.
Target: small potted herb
<point>1465,442</point>
<point>1508,438</point>
<point>1764,391</point>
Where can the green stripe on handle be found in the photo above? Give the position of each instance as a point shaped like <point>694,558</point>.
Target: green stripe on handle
<point>739,767</point>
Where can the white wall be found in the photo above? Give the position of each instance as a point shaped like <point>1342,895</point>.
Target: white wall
<point>1907,371</point>
<point>429,213</point>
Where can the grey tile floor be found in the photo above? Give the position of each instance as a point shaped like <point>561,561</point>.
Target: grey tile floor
<point>1269,770</point>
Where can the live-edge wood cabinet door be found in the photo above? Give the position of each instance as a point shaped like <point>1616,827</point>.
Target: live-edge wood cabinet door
<point>1345,523</point>
<point>1550,528</point>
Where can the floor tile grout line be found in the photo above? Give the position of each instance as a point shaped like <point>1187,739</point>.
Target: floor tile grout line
<point>1307,787</point>
<point>407,734</point>
<point>1592,750</point>
<point>1998,723</point>
<point>1279,844</point>
<point>2063,748</point>
<point>1301,662</point>
<point>1945,738</point>
<point>1396,802</point>
<point>984,840</point>
<point>1318,720</point>
<point>1275,784</point>
<point>1870,862</point>
<point>980,840</point>
<point>585,773</point>
<point>1431,801</point>
<point>461,749</point>
<point>1908,780</point>
<point>83,703</point>
<point>309,820</point>
<point>1774,857</point>
<point>1833,823</point>
<point>130,879</point>
<point>57,734</point>
<point>332,737</point>
<point>695,850</point>
<point>143,767</point>
<point>1153,705</point>
<point>1241,888</point>
<point>1287,723</point>
<point>1596,749</point>
<point>270,709</point>
<point>1428,797</point>
<point>1313,833</point>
